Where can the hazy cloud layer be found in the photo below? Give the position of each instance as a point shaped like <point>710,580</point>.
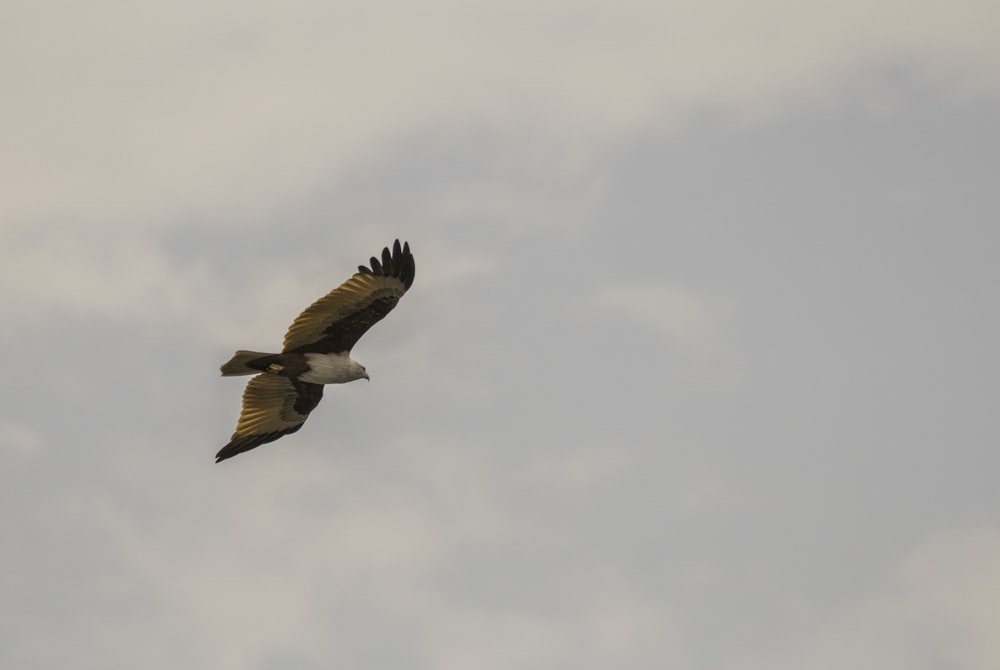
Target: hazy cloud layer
<point>225,111</point>
<point>697,371</point>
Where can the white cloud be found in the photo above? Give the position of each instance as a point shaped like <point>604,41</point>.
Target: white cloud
<point>114,108</point>
<point>694,327</point>
<point>124,277</point>
<point>610,628</point>
<point>129,277</point>
<point>938,610</point>
<point>586,465</point>
<point>280,551</point>
<point>174,115</point>
<point>19,438</point>
<point>691,320</point>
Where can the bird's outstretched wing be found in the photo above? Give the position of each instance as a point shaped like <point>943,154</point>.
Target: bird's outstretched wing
<point>272,406</point>
<point>336,321</point>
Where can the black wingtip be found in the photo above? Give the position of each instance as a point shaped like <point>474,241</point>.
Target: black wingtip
<point>235,448</point>
<point>238,445</point>
<point>403,264</point>
<point>397,263</point>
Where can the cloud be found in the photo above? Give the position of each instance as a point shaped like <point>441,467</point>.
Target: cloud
<point>281,557</point>
<point>127,277</point>
<point>694,327</point>
<point>938,610</point>
<point>19,438</point>
<point>133,278</point>
<point>693,321</point>
<point>216,111</point>
<point>183,179</point>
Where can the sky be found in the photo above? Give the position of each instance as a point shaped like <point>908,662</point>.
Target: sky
<point>699,369</point>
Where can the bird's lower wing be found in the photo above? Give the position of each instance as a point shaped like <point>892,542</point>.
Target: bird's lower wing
<point>273,406</point>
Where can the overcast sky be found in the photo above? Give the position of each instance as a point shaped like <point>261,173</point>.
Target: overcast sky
<point>699,370</point>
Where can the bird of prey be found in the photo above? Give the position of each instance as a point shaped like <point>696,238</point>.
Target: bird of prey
<point>317,351</point>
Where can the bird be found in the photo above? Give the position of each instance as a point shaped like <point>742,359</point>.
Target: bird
<point>316,351</point>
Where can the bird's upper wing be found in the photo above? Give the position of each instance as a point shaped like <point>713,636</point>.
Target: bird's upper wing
<point>272,406</point>
<point>336,321</point>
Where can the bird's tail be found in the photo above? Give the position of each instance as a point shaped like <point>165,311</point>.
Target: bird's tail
<point>237,365</point>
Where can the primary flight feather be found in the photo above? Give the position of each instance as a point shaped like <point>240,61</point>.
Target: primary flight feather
<point>317,349</point>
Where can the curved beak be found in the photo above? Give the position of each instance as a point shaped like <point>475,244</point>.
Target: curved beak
<point>367,377</point>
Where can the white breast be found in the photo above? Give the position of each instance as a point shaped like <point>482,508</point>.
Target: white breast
<point>331,369</point>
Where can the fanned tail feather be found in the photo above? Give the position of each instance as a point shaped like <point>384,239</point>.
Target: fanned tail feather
<point>237,365</point>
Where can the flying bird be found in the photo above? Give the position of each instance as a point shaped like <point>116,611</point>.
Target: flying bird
<point>317,351</point>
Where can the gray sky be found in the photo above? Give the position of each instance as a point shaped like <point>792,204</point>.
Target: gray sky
<point>698,371</point>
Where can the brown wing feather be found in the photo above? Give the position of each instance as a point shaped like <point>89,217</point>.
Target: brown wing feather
<point>273,406</point>
<point>335,322</point>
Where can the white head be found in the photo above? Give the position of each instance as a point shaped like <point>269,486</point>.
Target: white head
<point>357,371</point>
